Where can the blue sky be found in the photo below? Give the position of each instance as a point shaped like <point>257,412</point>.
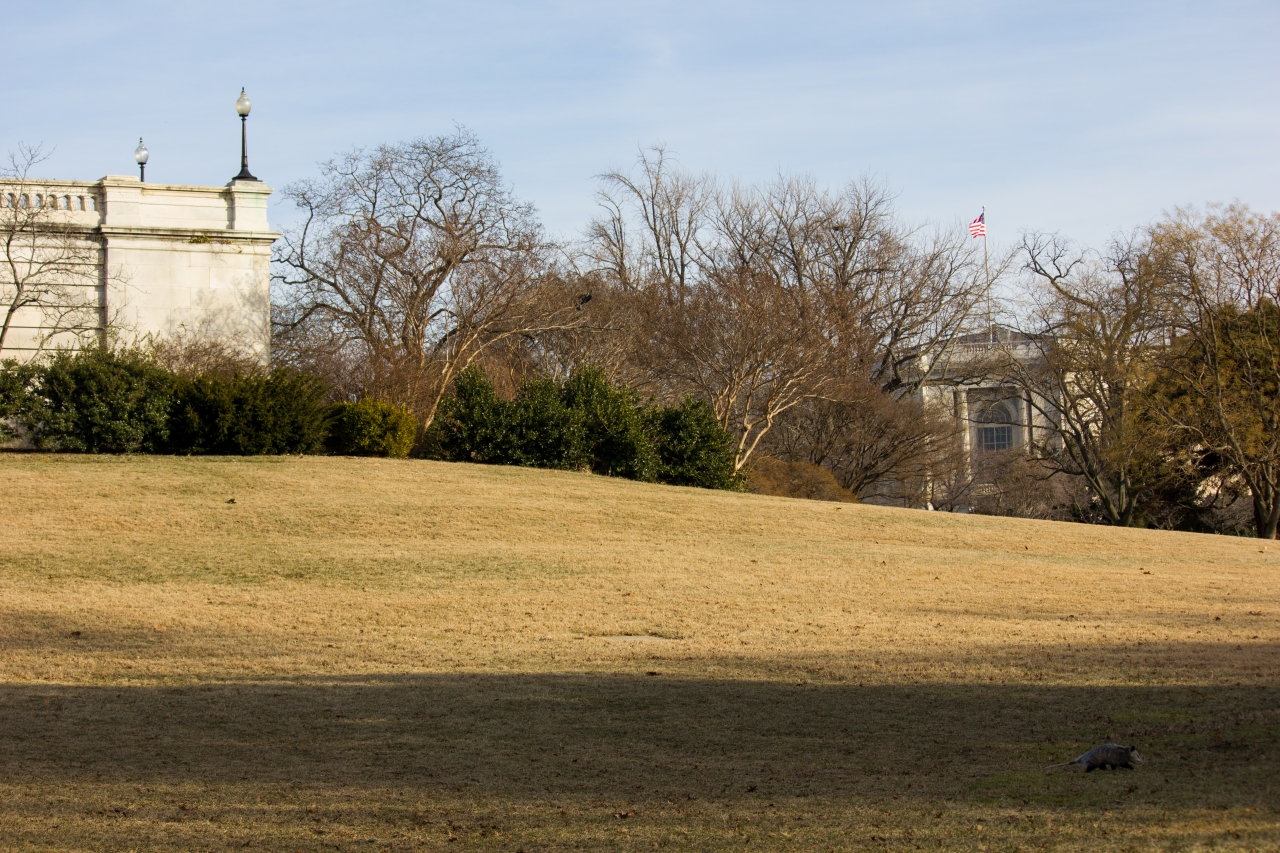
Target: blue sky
<point>1082,117</point>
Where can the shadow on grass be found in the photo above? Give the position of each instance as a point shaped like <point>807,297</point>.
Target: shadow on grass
<point>623,762</point>
<point>619,737</point>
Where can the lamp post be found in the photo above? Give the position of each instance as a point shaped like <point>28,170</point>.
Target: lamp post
<point>243,105</point>
<point>141,154</point>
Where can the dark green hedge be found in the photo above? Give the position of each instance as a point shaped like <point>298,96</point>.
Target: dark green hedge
<point>101,400</point>
<point>120,401</point>
<point>252,414</point>
<point>693,449</point>
<point>96,401</point>
<point>586,423</point>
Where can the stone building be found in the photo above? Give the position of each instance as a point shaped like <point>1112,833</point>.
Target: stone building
<point>129,259</point>
<point>991,414</point>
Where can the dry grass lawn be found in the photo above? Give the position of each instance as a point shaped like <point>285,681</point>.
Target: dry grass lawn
<point>400,655</point>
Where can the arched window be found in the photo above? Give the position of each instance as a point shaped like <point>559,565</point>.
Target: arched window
<point>995,430</point>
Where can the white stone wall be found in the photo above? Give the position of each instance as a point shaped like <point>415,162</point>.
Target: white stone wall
<point>170,259</point>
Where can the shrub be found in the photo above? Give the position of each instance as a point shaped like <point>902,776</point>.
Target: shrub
<point>15,388</point>
<point>101,400</point>
<point>783,479</point>
<point>370,428</point>
<point>472,425</point>
<point>248,414</point>
<point>586,422</point>
<point>693,449</point>
<point>98,401</point>
<point>616,432</point>
<point>193,355</point>
<point>544,432</point>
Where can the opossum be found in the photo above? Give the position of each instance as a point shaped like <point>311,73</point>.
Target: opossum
<point>1107,757</point>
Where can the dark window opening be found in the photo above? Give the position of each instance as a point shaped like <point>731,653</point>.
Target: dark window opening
<point>993,438</point>
<point>996,432</point>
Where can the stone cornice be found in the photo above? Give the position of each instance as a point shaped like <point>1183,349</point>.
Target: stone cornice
<point>129,181</point>
<point>195,236</point>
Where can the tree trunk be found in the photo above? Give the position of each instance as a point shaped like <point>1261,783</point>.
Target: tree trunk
<point>1266,511</point>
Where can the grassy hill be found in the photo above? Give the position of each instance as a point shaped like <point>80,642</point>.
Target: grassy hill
<point>321,653</point>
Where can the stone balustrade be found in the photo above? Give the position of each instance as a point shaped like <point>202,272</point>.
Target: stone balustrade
<point>50,199</point>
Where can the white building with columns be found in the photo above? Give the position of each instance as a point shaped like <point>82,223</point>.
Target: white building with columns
<point>137,260</point>
<point>992,415</point>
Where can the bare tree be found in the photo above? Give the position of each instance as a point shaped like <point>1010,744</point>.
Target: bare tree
<point>1088,366</point>
<point>50,266</point>
<point>672,207</point>
<point>894,298</point>
<point>723,323</point>
<point>1225,394</point>
<point>879,447</point>
<point>609,334</point>
<point>750,346</point>
<point>411,260</point>
<point>757,299</point>
<point>1020,486</point>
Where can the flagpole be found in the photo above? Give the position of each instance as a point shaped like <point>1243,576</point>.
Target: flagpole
<point>986,266</point>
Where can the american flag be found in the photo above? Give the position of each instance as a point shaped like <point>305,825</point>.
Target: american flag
<point>978,227</point>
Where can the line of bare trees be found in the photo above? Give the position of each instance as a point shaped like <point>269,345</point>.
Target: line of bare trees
<point>777,305</point>
<point>812,321</point>
<point>817,325</point>
<point>768,300</point>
